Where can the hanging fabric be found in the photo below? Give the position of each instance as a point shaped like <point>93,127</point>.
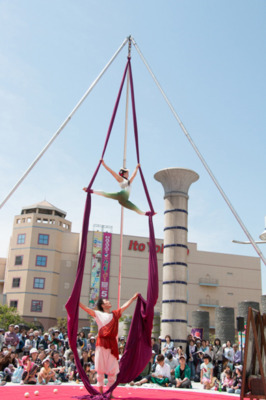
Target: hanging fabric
<point>138,348</point>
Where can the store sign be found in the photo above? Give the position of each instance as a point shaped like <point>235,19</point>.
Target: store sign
<point>136,246</point>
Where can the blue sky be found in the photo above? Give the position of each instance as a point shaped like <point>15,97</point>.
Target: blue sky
<point>209,56</point>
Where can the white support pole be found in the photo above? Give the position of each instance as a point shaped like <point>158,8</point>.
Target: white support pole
<point>124,166</point>
<point>63,124</point>
<point>260,254</point>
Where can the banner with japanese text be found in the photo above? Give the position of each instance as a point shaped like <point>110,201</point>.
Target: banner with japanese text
<point>105,269</point>
<point>96,268</point>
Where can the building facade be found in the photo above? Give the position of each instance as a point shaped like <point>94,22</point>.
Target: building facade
<point>43,256</point>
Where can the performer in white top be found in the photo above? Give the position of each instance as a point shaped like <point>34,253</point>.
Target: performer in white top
<point>106,353</point>
<point>125,184</point>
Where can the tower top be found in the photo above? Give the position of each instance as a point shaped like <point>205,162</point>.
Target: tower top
<point>43,207</point>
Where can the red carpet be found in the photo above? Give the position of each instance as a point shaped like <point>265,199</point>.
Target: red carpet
<point>121,393</point>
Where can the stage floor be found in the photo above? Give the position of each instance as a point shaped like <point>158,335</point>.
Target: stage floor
<point>70,391</point>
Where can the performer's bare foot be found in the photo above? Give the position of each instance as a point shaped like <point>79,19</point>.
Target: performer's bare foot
<point>101,389</point>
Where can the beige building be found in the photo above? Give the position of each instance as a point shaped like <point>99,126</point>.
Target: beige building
<point>43,257</point>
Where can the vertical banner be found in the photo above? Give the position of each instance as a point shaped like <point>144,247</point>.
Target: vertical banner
<point>95,268</point>
<point>105,270</point>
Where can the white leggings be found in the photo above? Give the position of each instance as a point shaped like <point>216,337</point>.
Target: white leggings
<point>100,380</point>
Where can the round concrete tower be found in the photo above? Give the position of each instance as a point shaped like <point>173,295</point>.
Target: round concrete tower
<point>176,183</point>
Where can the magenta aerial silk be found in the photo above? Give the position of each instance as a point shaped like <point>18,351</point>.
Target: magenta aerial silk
<point>138,351</point>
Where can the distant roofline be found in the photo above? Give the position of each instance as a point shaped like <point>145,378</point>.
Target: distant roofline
<point>46,206</point>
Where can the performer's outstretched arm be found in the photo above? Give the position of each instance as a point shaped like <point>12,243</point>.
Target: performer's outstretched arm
<point>87,309</point>
<point>134,173</point>
<point>129,302</point>
<point>115,175</point>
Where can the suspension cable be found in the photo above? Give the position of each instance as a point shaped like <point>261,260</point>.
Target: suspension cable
<point>258,251</point>
<point>63,124</point>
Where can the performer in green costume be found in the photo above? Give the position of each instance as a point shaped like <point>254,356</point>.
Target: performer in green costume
<point>125,184</point>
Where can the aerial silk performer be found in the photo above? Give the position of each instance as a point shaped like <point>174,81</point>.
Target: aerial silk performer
<point>138,348</point>
<point>125,184</point>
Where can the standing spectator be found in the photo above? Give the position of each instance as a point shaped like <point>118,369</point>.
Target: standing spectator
<point>217,358</point>
<point>62,333</point>
<point>155,346</point>
<point>229,354</point>
<point>45,341</point>
<point>29,344</point>
<point>191,358</point>
<point>182,374</point>
<point>91,344</point>
<point>204,348</point>
<point>206,372</point>
<point>2,338</point>
<point>168,346</point>
<point>36,339</point>
<point>11,338</point>
<point>189,338</point>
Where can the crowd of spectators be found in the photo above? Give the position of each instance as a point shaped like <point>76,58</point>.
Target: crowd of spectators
<point>33,357</point>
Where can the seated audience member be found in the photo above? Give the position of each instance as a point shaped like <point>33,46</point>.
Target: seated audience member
<point>91,373</point>
<point>71,367</point>
<point>182,374</point>
<point>84,357</point>
<point>5,357</point>
<point>30,370</point>
<point>161,376</point>
<point>168,346</point>
<point>206,376</point>
<point>58,365</point>
<point>228,381</point>
<point>46,373</point>
<point>173,363</point>
<point>236,386</point>
<point>148,370</point>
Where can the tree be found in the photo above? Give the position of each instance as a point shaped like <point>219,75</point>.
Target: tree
<point>62,323</point>
<point>9,315</point>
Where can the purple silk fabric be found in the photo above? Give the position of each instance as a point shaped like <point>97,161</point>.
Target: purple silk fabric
<point>138,349</point>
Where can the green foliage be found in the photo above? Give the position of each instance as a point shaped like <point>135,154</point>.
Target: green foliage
<point>9,315</point>
<point>62,323</point>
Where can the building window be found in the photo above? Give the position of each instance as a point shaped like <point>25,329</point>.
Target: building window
<point>41,261</point>
<point>38,283</point>
<point>36,305</point>
<point>13,303</point>
<point>21,238</point>
<point>43,239</point>
<point>16,282</point>
<point>18,260</point>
